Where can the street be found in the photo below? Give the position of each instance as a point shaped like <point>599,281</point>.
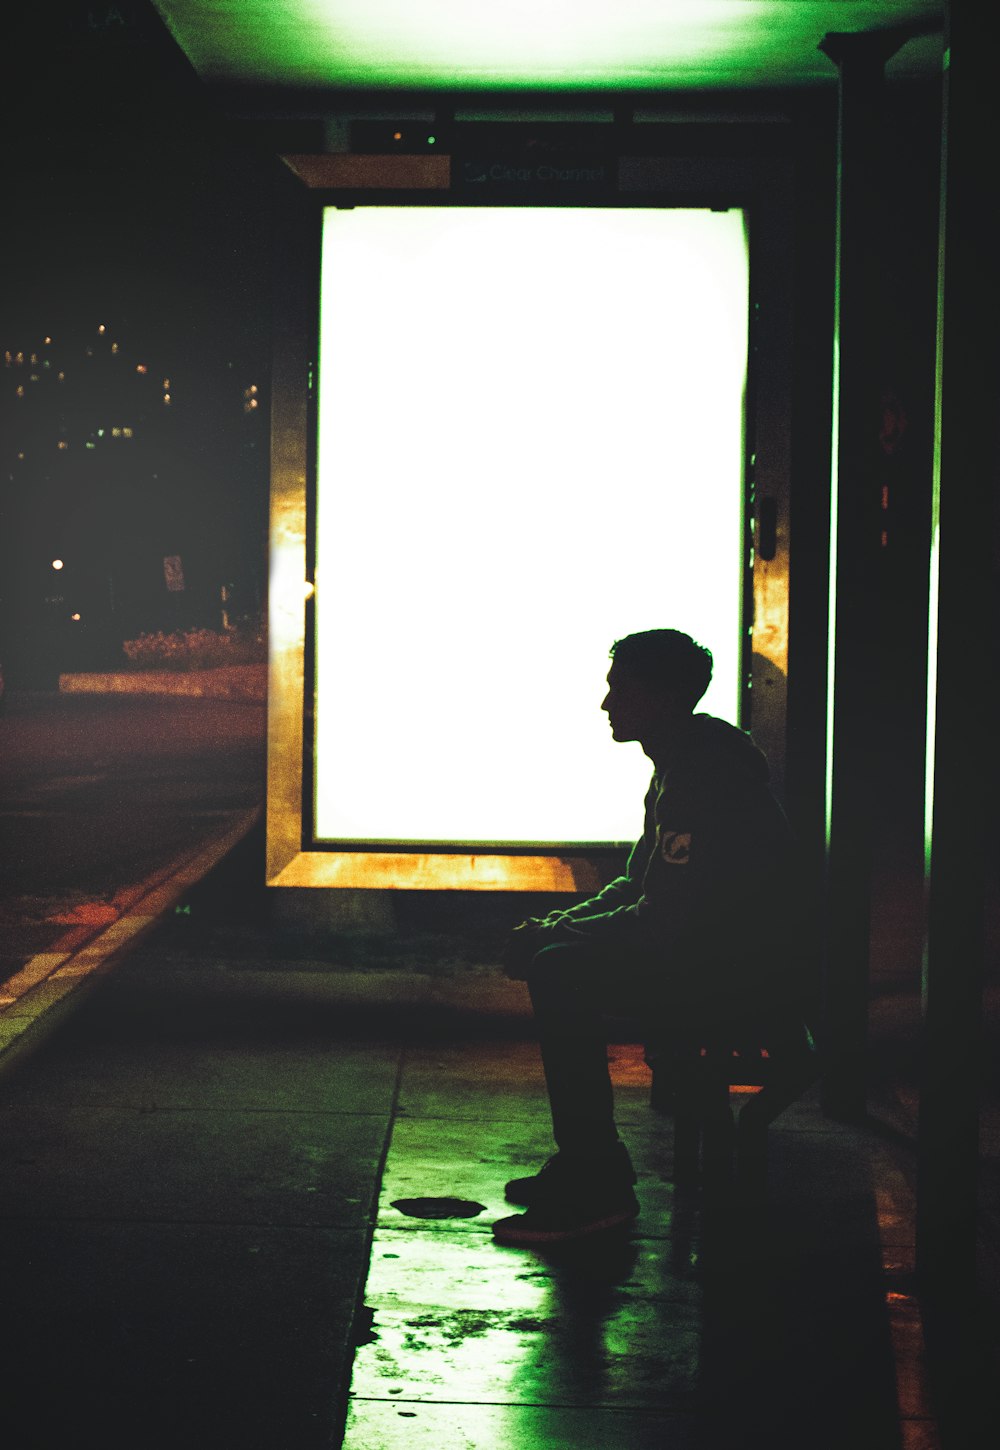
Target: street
<point>99,792</point>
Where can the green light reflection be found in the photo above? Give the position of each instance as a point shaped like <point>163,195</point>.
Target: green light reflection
<point>831,621</point>
<point>934,574</point>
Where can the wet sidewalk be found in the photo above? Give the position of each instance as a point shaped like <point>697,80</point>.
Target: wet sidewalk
<point>216,1232</point>
<point>794,1328</point>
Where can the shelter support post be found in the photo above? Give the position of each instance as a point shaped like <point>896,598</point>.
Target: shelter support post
<point>855,538</point>
<point>961,770</point>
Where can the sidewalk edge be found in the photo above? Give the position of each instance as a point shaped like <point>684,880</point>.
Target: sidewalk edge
<point>60,978</point>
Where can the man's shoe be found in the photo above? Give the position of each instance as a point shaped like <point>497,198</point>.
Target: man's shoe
<point>524,1191</point>
<point>557,1219</point>
<point>562,1173</point>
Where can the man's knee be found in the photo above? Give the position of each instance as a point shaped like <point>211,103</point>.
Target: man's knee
<point>578,980</point>
<point>560,974</point>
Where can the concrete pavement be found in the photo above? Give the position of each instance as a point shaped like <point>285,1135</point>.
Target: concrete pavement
<point>209,1234</point>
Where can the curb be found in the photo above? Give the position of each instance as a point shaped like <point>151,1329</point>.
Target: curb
<point>37,998</point>
<point>229,682</point>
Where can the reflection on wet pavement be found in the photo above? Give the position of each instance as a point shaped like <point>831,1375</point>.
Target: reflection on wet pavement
<point>712,1327</point>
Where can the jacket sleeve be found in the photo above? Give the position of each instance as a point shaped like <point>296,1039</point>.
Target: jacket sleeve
<point>615,904</point>
<point>713,846</point>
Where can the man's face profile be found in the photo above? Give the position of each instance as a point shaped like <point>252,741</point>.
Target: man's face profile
<point>629,705</point>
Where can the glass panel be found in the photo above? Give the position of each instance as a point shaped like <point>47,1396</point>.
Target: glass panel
<point>530,443</point>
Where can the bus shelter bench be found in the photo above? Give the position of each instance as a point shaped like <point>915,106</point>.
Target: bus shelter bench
<point>700,1077</point>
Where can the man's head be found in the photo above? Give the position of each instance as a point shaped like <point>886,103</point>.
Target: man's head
<point>656,679</point>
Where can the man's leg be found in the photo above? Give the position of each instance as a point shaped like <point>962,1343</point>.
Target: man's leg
<point>565,984</point>
<point>587,1186</point>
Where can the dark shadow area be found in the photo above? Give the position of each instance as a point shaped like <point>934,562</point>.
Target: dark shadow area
<point>796,1345</point>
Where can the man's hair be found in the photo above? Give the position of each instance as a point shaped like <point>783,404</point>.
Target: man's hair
<point>667,659</point>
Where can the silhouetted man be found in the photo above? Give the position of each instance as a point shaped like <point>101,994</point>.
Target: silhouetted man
<point>700,928</point>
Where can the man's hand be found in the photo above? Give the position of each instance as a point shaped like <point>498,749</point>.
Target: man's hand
<point>528,939</point>
<point>525,941</point>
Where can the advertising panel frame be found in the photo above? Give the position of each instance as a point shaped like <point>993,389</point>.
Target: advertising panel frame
<point>761,188</point>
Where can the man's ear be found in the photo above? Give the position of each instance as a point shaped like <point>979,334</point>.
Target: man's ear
<point>673,706</point>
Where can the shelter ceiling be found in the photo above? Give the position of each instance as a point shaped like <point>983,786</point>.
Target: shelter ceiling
<point>635,47</point>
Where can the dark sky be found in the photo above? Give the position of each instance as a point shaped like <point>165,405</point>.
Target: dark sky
<point>125,186</point>
<point>129,200</point>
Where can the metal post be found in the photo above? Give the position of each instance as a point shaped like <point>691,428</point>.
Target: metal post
<point>962,671</point>
<point>855,536</point>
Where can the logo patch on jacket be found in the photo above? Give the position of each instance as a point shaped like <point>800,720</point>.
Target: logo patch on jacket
<point>675,847</point>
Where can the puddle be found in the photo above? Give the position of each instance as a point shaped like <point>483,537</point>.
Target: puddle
<point>438,1207</point>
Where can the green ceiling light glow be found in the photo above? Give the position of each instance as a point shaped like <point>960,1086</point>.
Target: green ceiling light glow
<point>555,45</point>
<point>517,42</point>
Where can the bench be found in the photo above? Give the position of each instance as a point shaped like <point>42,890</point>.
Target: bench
<point>693,1080</point>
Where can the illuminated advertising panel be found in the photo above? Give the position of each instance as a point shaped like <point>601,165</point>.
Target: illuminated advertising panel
<point>530,443</point>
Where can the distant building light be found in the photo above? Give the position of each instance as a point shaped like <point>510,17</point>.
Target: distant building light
<point>57,564</point>
<point>90,443</point>
<point>19,359</point>
<point>48,342</point>
<point>127,432</point>
<point>20,390</point>
<point>116,432</point>
<point>141,368</point>
<point>62,445</point>
<point>34,359</point>
<point>76,617</point>
<point>166,397</point>
<point>61,377</point>
<point>114,347</point>
<point>102,328</point>
<point>166,384</point>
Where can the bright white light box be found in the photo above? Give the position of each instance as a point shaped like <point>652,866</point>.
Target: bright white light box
<point>530,443</point>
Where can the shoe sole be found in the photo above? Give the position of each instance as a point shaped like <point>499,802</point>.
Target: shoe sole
<point>516,1236</point>
<point>525,1198</point>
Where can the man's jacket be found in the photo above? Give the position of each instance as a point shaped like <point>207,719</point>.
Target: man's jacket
<point>710,894</point>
